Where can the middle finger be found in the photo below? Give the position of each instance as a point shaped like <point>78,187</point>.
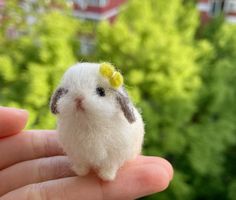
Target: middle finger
<point>28,145</point>
<point>34,171</point>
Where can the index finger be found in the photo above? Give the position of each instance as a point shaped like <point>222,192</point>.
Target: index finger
<point>143,177</point>
<point>12,121</point>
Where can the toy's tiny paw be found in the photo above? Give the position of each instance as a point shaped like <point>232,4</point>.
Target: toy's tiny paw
<point>81,170</point>
<point>107,175</point>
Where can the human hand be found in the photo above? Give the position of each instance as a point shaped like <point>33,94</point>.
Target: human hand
<point>33,166</point>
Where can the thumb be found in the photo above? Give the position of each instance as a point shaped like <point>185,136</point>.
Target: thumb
<point>12,121</point>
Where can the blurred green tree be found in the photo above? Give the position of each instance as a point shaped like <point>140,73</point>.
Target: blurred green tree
<point>216,116</point>
<point>153,43</point>
<point>33,57</point>
<point>185,87</point>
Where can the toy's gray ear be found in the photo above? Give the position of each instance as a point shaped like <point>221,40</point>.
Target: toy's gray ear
<point>55,97</point>
<point>126,106</point>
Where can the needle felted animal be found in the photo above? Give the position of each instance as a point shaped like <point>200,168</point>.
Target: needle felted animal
<point>98,126</point>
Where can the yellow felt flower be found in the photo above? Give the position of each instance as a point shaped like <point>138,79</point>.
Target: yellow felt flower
<point>107,69</point>
<point>115,78</point>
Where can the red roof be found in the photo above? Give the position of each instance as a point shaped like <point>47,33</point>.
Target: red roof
<point>99,9</point>
<point>106,11</point>
<point>1,3</point>
<point>203,1</point>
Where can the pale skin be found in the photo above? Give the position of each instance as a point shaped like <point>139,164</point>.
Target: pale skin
<point>33,166</point>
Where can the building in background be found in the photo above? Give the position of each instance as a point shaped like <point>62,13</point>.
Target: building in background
<point>1,3</point>
<point>213,8</point>
<point>91,11</point>
<point>94,11</point>
<point>1,8</point>
<point>97,10</point>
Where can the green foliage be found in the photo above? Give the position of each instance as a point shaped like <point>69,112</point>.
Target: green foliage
<point>184,85</point>
<point>156,52</point>
<point>34,62</point>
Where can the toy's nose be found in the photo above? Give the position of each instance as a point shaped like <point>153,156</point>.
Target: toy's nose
<point>79,103</point>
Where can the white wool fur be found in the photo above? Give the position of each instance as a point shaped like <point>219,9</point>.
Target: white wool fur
<point>100,138</point>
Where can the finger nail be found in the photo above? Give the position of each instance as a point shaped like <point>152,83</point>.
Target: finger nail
<point>17,110</point>
<point>169,169</point>
<point>22,111</point>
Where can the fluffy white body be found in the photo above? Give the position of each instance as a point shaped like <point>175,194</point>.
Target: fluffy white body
<point>96,134</point>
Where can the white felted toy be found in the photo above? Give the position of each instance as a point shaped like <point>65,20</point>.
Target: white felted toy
<point>99,128</point>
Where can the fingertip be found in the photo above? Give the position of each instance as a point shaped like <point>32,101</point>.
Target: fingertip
<point>23,117</point>
<point>12,120</point>
<point>155,178</point>
<point>151,160</point>
<point>138,181</point>
<point>166,164</point>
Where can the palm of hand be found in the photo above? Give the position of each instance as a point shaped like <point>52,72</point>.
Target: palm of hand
<point>33,166</point>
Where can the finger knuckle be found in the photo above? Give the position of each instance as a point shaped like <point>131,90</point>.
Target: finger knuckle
<point>43,169</point>
<point>53,167</point>
<point>44,144</point>
<point>37,192</point>
<point>61,167</point>
<point>35,143</point>
<point>48,145</point>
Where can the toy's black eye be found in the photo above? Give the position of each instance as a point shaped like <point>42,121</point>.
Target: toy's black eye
<point>101,91</point>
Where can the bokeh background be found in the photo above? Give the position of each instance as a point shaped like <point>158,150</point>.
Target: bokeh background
<point>179,70</point>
